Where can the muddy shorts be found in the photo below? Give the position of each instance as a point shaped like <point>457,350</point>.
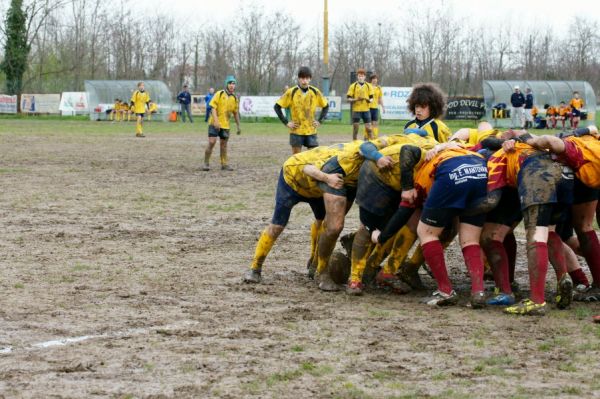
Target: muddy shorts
<point>373,221</point>
<point>538,181</point>
<point>308,141</point>
<point>286,198</point>
<point>223,134</point>
<point>508,211</point>
<point>583,193</point>
<point>372,194</point>
<point>365,116</point>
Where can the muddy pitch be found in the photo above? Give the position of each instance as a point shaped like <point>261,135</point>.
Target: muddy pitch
<point>121,277</point>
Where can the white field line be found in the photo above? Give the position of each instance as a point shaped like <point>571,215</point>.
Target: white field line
<point>71,340</point>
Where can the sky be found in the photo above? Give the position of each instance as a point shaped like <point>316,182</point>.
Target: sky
<point>556,13</point>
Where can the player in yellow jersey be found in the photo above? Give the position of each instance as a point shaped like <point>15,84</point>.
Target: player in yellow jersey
<point>427,103</point>
<point>374,106</point>
<point>302,101</point>
<point>152,109</point>
<point>115,112</point>
<point>223,105</point>
<point>360,97</point>
<point>139,102</point>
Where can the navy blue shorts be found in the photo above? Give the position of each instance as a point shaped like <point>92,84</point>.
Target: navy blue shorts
<point>223,134</point>
<point>286,198</point>
<point>538,181</point>
<point>374,114</point>
<point>459,181</point>
<point>308,141</point>
<point>365,116</point>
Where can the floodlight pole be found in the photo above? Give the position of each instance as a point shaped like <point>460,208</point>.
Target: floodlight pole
<point>325,50</point>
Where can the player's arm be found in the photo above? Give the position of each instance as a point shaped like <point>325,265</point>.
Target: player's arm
<point>333,180</point>
<point>215,116</point>
<point>410,156</point>
<point>236,117</point>
<point>396,222</point>
<point>461,134</point>
<point>381,102</point>
<point>323,113</point>
<point>370,152</point>
<point>280,115</point>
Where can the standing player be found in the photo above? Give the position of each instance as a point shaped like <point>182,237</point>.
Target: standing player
<point>302,100</point>
<point>360,97</point>
<point>576,105</point>
<point>223,105</point>
<point>374,106</point>
<point>563,113</point>
<point>140,100</point>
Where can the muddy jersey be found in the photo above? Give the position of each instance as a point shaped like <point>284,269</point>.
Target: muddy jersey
<point>583,155</point>
<point>377,94</point>
<point>303,105</point>
<point>476,136</point>
<point>504,167</point>
<point>363,93</point>
<point>226,104</point>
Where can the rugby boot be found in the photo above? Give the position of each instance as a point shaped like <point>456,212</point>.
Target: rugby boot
<point>206,167</point>
<point>311,266</point>
<point>392,281</point>
<point>564,292</point>
<point>477,300</point>
<point>592,294</point>
<point>226,167</point>
<point>326,283</point>
<point>439,298</point>
<point>527,307</point>
<point>354,288</point>
<point>252,276</point>
<point>410,275</point>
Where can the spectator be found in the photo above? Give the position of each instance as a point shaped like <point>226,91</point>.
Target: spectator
<point>185,100</point>
<point>207,99</point>
<point>528,109</point>
<point>517,100</point>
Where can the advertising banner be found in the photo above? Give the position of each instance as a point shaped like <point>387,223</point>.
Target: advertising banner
<point>465,108</point>
<point>394,100</point>
<point>74,102</point>
<point>258,106</point>
<point>8,104</point>
<point>40,103</point>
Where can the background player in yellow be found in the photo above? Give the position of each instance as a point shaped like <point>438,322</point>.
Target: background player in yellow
<point>427,103</point>
<point>360,97</point>
<point>374,106</point>
<point>139,101</point>
<point>115,113</point>
<point>224,104</point>
<point>302,101</point>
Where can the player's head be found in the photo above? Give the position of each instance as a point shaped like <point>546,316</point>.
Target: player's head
<point>361,75</point>
<point>546,106</point>
<point>117,100</point>
<point>562,104</point>
<point>374,79</point>
<point>517,89</point>
<point>304,76</point>
<point>576,94</point>
<point>230,83</point>
<point>483,126</point>
<point>140,86</point>
<point>426,100</point>
<point>211,90</point>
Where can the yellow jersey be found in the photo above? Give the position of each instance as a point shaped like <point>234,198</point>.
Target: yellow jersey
<point>377,94</point>
<point>476,136</point>
<point>140,100</point>
<point>432,127</point>
<point>225,104</point>
<point>293,170</point>
<point>362,92</point>
<point>303,105</point>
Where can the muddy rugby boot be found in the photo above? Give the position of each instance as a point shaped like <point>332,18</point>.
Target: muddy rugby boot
<point>206,167</point>
<point>439,298</point>
<point>393,282</point>
<point>477,300</point>
<point>226,167</point>
<point>311,266</point>
<point>527,308</point>
<point>410,275</point>
<point>592,294</point>
<point>326,283</point>
<point>354,288</point>
<point>252,276</point>
<point>564,292</point>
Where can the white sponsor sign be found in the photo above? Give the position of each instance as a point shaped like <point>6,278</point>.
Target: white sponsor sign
<point>8,104</point>
<point>335,108</point>
<point>42,103</point>
<point>394,100</point>
<point>73,102</point>
<point>258,106</point>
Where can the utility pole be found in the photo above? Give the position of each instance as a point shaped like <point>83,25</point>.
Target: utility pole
<point>325,50</point>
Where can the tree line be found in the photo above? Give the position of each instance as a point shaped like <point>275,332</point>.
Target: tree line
<point>70,41</point>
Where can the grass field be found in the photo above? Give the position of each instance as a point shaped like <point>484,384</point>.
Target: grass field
<point>121,277</point>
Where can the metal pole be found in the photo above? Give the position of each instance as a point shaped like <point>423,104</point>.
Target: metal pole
<point>325,49</point>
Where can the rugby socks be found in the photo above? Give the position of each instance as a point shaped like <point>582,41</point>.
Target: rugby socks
<point>263,247</point>
<point>590,248</point>
<point>498,258</point>
<point>403,242</point>
<point>207,154</point>
<point>474,262</point>
<point>556,253</point>
<point>579,277</point>
<point>361,248</point>
<point>434,256</point>
<point>138,127</point>
<point>314,236</point>
<point>510,247</point>
<point>325,247</point>
<point>223,155</point>
<point>537,261</point>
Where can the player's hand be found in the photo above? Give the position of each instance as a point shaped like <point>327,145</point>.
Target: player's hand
<point>217,125</point>
<point>316,123</point>
<point>385,162</point>
<point>335,180</point>
<point>409,196</point>
<point>509,146</point>
<point>375,236</point>
<point>292,125</point>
